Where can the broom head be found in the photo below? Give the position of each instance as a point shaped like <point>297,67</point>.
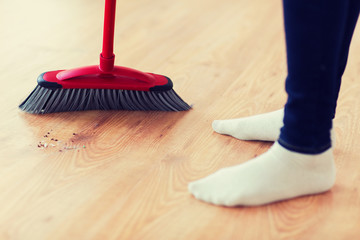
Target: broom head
<point>89,88</point>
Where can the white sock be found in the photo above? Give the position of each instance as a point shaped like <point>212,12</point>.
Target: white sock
<point>278,174</point>
<point>263,127</point>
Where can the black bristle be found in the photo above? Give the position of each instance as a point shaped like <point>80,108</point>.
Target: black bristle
<point>45,100</point>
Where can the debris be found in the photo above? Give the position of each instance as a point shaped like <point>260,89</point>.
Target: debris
<point>66,145</point>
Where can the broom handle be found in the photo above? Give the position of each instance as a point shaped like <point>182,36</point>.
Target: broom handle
<point>107,56</point>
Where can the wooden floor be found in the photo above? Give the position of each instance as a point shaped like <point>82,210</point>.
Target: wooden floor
<point>124,175</point>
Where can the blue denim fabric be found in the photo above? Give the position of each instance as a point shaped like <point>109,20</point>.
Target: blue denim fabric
<point>318,35</point>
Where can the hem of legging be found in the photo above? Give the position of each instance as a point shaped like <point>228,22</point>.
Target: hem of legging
<point>304,150</point>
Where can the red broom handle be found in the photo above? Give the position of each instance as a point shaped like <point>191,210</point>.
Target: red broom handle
<point>107,56</point>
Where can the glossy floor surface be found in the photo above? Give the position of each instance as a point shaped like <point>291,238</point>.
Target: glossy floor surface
<point>124,175</point>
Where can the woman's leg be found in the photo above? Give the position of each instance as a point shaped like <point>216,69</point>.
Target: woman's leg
<point>314,35</point>
<point>301,162</point>
<point>266,127</point>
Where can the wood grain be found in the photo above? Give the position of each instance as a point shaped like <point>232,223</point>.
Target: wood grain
<point>124,175</point>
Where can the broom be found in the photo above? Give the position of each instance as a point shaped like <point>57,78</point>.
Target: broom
<point>103,86</point>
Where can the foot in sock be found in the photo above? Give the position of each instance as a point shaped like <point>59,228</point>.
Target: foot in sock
<point>263,127</point>
<point>276,175</point>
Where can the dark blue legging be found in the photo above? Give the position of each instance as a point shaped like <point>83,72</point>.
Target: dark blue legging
<point>318,35</point>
